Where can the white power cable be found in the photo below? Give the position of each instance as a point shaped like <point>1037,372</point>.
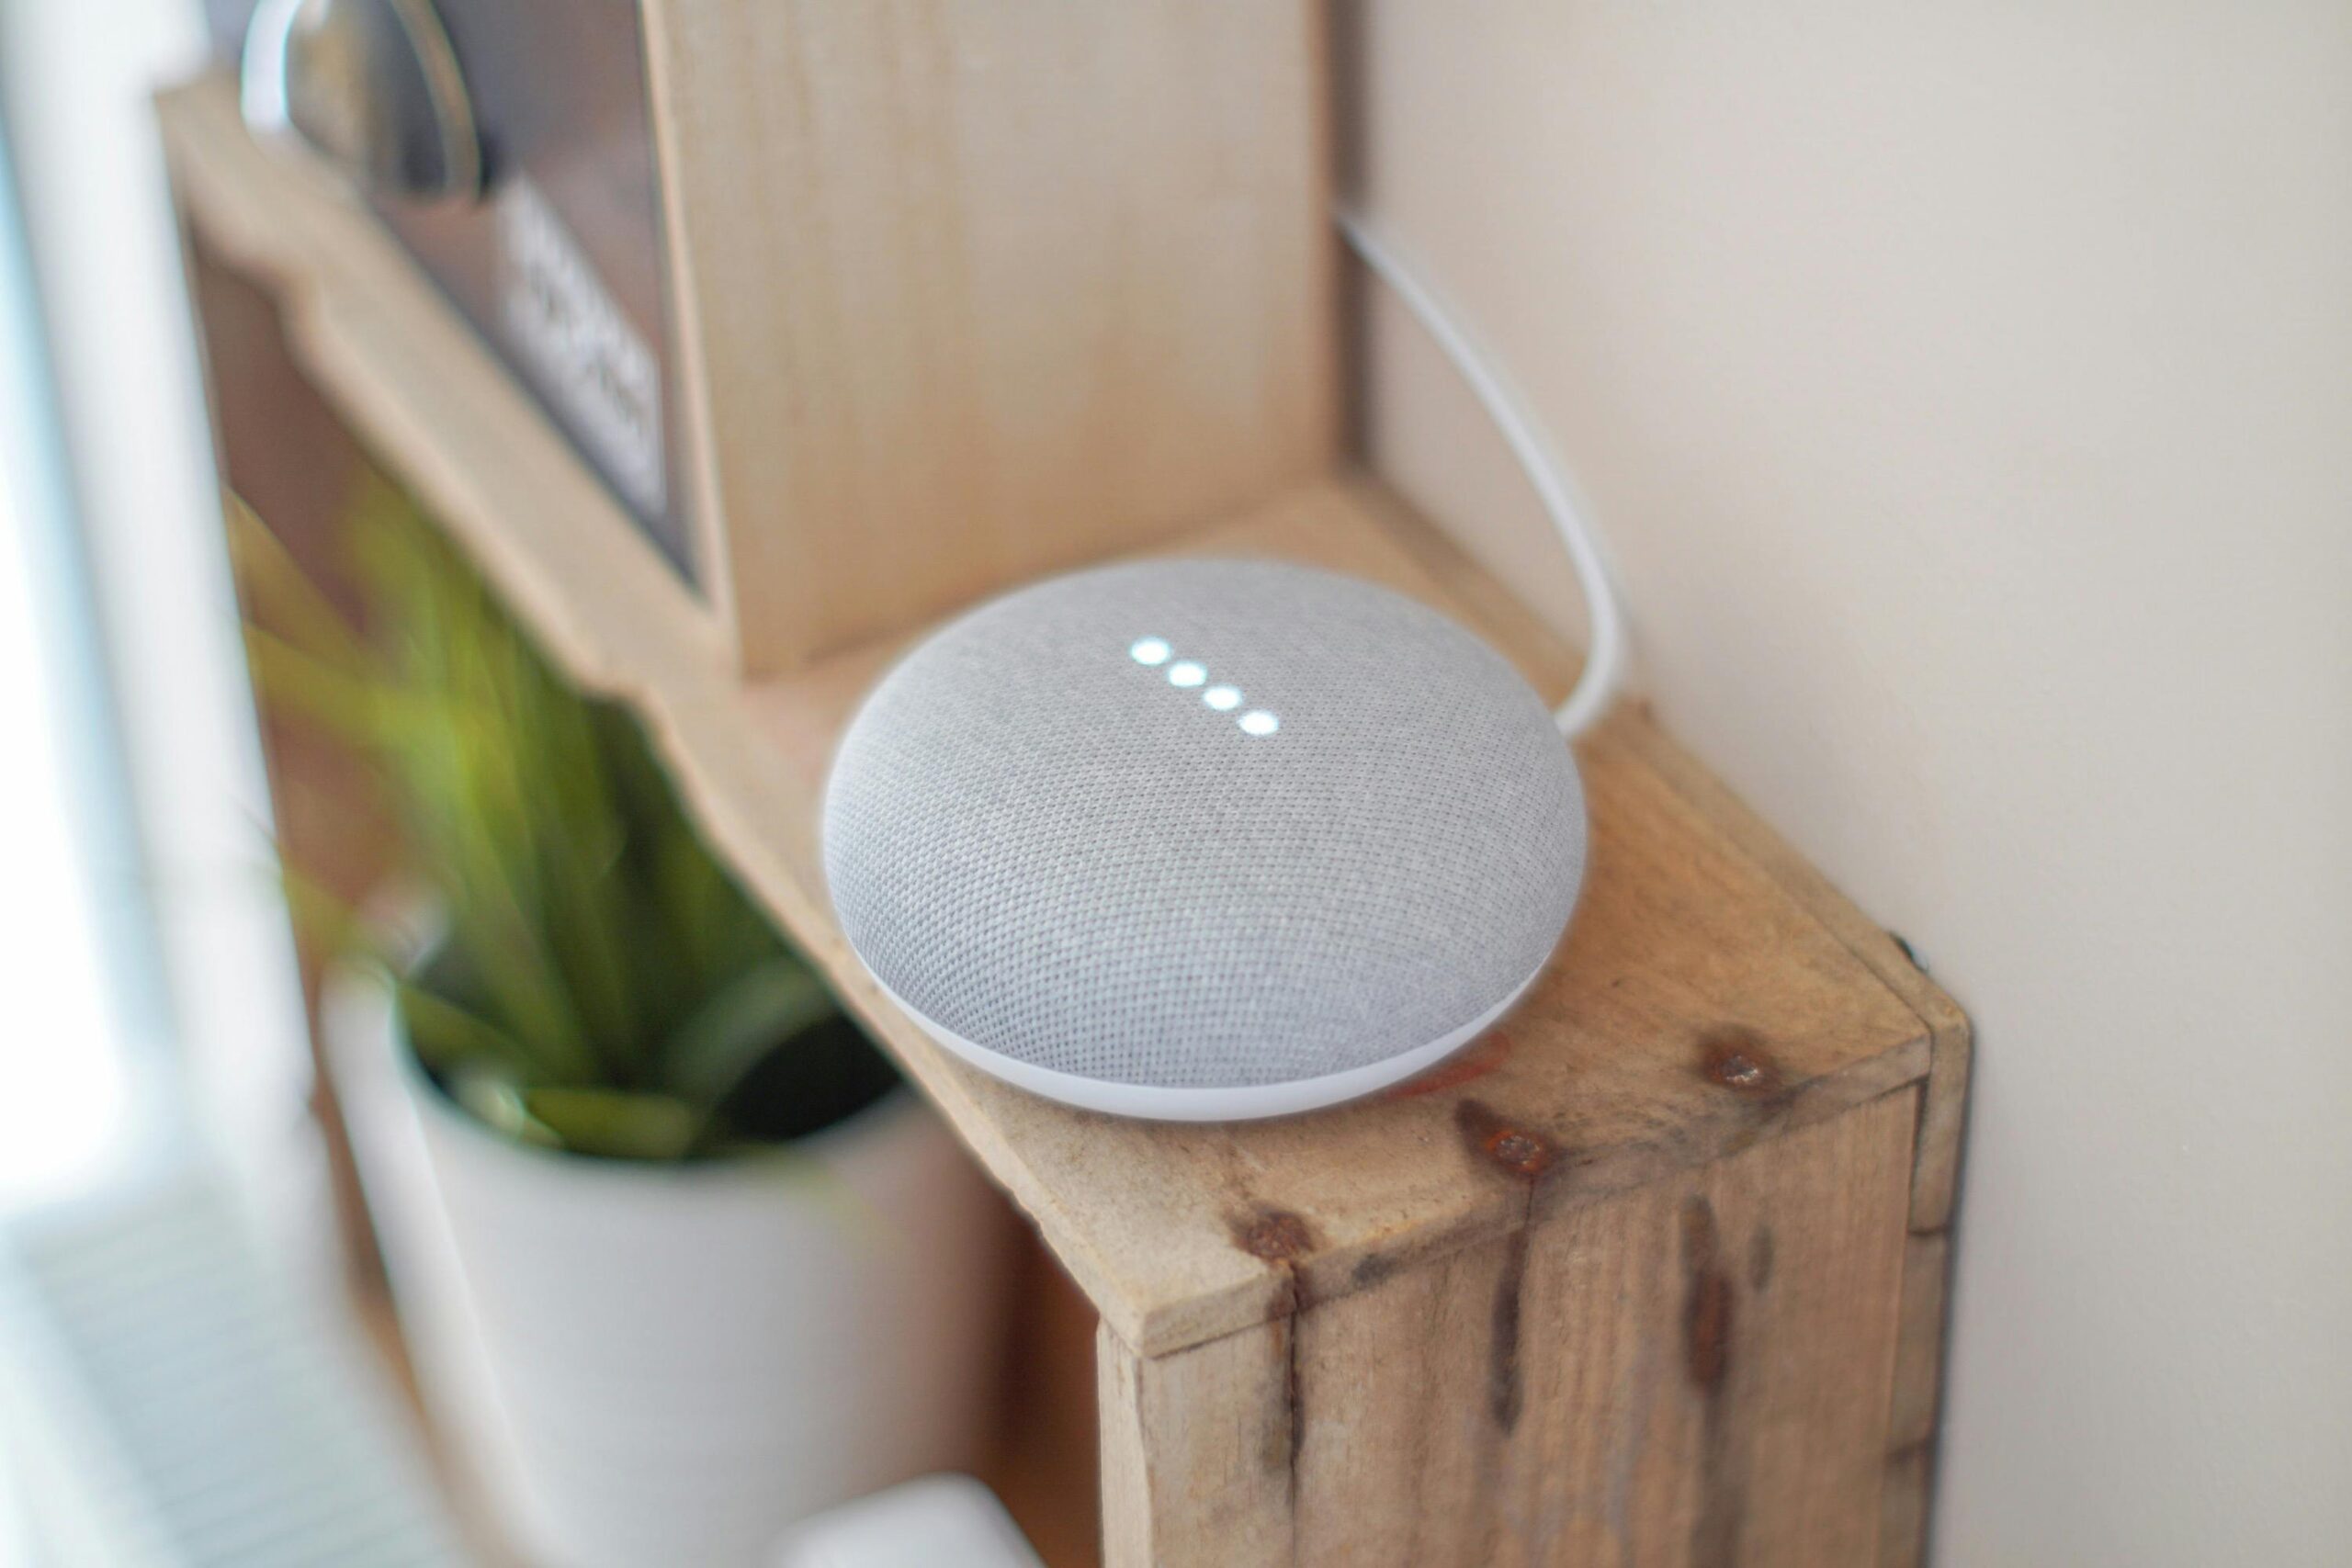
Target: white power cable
<point>1605,659</point>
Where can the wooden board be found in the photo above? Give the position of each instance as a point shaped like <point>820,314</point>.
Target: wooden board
<point>969,292</point>
<point>1699,1005</point>
<point>1692,1372</point>
<point>1917,1403</point>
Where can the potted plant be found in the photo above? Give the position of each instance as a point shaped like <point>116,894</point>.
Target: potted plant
<point>678,1256</point>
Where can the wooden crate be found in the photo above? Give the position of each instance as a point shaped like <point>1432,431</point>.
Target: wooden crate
<point>967,293</point>
<point>1653,1272</point>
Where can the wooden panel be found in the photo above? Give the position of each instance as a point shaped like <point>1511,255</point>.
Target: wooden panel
<point>1046,1446</point>
<point>1902,1525</point>
<point>1196,1452</point>
<point>970,292</point>
<point>1919,1369</point>
<point>1699,1005</point>
<point>1910,1469</point>
<point>1936,1181</point>
<point>1694,1372</point>
<point>416,386</point>
<point>1916,1405</point>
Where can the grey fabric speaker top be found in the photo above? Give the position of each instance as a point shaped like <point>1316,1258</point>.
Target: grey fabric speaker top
<point>1203,824</point>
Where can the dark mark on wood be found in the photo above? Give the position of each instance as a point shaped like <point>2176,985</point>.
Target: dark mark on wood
<point>1707,1306</point>
<point>1520,1152</point>
<point>1709,1311</point>
<point>1503,1393</point>
<point>1277,1235</point>
<point>1909,952</point>
<point>1734,1056</point>
<point>1477,1122</point>
<point>1523,1155</point>
<point>1700,1241</point>
<point>1372,1269</point>
<point>1517,1150</point>
<point>1294,1400</point>
<point>1707,1329</point>
<point>1281,1238</point>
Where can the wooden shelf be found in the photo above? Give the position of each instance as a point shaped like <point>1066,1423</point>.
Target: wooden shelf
<point>1714,994</point>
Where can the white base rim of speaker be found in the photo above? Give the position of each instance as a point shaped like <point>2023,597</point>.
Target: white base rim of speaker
<point>1239,1102</point>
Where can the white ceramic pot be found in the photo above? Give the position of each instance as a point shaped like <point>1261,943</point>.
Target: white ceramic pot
<point>656,1365</point>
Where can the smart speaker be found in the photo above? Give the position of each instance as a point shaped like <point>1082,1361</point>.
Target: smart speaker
<point>1203,840</point>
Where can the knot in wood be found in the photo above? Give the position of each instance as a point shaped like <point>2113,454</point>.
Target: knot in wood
<point>1735,1059</point>
<point>1739,1071</point>
<point>1489,1136</point>
<point>1521,1152</point>
<point>1277,1235</point>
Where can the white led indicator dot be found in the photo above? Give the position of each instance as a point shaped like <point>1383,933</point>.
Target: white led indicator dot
<point>1258,721</point>
<point>1224,699</point>
<point>1150,650</point>
<point>1184,672</point>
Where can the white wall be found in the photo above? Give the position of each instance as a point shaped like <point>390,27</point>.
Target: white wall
<point>1967,390</point>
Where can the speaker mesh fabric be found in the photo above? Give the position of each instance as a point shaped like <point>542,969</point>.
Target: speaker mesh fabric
<point>1042,845</point>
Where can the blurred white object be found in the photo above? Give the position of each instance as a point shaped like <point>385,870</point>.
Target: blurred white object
<point>169,1400</point>
<point>939,1521</point>
<point>220,1046</point>
<point>652,1366</point>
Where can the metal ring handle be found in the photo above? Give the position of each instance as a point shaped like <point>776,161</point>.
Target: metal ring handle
<point>372,86</point>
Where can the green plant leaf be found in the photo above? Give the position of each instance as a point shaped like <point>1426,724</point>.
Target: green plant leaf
<point>705,1056</point>
<point>492,1099</point>
<point>501,1104</point>
<point>616,1123</point>
<point>446,1037</point>
<point>611,987</point>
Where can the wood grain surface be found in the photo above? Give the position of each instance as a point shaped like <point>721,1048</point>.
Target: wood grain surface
<point>969,292</point>
<point>1691,1372</point>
